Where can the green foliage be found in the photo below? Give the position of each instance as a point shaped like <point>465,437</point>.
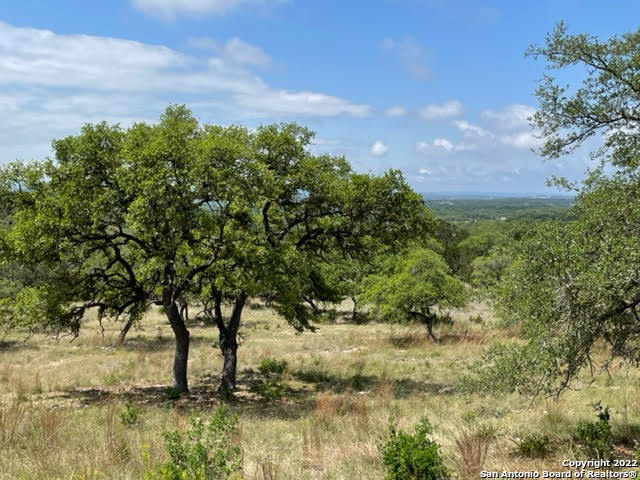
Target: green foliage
<point>272,386</point>
<point>412,456</point>
<point>573,285</point>
<point>272,367</point>
<point>130,415</point>
<point>603,106</point>
<point>471,210</point>
<point>527,369</point>
<point>270,389</point>
<point>596,438</point>
<point>487,270</point>
<point>206,451</point>
<point>413,284</point>
<point>179,212</point>
<point>533,445</point>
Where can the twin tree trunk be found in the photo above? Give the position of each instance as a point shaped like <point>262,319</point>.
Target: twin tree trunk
<point>228,341</point>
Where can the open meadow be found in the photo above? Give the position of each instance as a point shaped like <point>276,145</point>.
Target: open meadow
<point>87,410</point>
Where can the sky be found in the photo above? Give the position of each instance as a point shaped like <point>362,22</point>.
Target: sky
<point>439,89</point>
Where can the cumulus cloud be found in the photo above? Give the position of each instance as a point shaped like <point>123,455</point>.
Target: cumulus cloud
<point>171,8</point>
<point>51,84</point>
<point>524,140</point>
<point>439,145</point>
<point>41,58</point>
<point>395,111</point>
<point>411,55</point>
<point>511,117</point>
<point>234,50</point>
<point>449,109</point>
<point>469,129</point>
<point>424,171</point>
<point>378,149</point>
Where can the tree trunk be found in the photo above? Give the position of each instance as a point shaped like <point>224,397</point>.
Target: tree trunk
<point>312,304</point>
<point>429,323</point>
<point>229,345</point>
<point>230,354</point>
<point>123,332</point>
<point>354,312</point>
<point>428,320</point>
<point>181,355</point>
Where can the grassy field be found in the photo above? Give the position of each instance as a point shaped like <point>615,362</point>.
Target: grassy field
<point>61,403</point>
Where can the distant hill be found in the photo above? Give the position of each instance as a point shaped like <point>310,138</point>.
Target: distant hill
<point>467,208</point>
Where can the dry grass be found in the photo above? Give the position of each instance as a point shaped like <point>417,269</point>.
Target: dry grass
<point>61,402</point>
<point>472,448</point>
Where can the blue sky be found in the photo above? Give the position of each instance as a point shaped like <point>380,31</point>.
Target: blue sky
<point>439,89</point>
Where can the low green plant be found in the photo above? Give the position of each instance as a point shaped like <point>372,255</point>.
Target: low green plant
<point>533,445</point>
<point>272,367</point>
<point>596,438</point>
<point>271,387</point>
<point>414,456</point>
<point>205,451</point>
<point>130,415</point>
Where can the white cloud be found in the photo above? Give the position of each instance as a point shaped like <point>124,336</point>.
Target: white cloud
<point>424,171</point>
<point>511,117</point>
<point>448,109</point>
<point>395,111</point>
<point>171,8</point>
<point>234,50</point>
<point>469,129</point>
<point>379,149</point>
<point>271,101</point>
<point>524,140</point>
<point>440,145</point>
<point>40,58</point>
<point>245,53</point>
<point>51,84</point>
<point>412,56</point>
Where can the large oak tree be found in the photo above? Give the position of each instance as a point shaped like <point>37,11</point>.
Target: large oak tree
<point>179,212</point>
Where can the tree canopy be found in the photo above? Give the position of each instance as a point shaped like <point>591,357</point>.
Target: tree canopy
<point>180,212</point>
<point>411,286</point>
<point>577,284</point>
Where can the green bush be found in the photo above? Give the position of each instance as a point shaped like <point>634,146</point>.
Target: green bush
<point>596,438</point>
<point>131,415</point>
<point>272,367</point>
<point>270,389</point>
<point>272,386</point>
<point>206,451</point>
<point>412,457</point>
<point>533,445</point>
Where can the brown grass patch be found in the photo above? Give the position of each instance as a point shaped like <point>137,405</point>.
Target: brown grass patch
<point>472,448</point>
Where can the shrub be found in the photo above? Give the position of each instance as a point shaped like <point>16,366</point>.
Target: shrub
<point>272,367</point>
<point>131,415</point>
<point>206,451</point>
<point>412,456</point>
<point>596,437</point>
<point>533,445</point>
<point>272,387</point>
